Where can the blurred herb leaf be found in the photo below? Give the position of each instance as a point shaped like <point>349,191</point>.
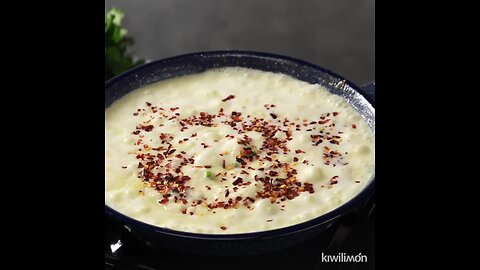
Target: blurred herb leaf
<point>116,44</point>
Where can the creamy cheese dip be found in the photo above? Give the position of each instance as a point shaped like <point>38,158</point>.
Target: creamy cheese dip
<point>233,150</point>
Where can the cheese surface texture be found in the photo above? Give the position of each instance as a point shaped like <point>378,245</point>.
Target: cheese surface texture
<point>233,150</point>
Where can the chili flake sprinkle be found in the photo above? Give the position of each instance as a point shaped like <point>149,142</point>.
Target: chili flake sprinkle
<point>162,167</point>
<point>228,98</point>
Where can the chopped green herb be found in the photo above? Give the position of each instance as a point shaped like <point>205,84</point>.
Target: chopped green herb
<point>117,60</point>
<point>209,174</point>
<point>236,165</point>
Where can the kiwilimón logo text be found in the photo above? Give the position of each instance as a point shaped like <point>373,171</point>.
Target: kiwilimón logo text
<point>342,257</point>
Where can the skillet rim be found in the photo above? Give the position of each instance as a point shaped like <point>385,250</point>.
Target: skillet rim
<point>321,220</point>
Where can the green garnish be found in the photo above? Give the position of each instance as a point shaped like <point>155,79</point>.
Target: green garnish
<point>116,43</point>
<point>209,174</point>
<point>236,165</point>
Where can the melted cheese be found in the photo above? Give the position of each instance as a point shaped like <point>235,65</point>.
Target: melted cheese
<point>254,92</point>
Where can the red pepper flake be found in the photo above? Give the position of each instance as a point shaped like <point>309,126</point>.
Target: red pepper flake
<point>164,200</point>
<point>335,113</point>
<point>270,220</point>
<point>272,173</point>
<point>228,98</point>
<point>241,161</point>
<point>333,181</point>
<point>227,192</point>
<point>148,104</point>
<point>174,109</point>
<point>357,181</point>
<point>308,187</point>
<point>223,228</point>
<point>238,181</point>
<point>223,163</point>
<point>124,167</point>
<point>236,116</point>
<point>354,126</point>
<point>148,128</point>
<point>135,113</point>
<point>298,151</point>
<point>208,166</point>
<point>184,211</point>
<point>185,178</point>
<point>274,116</point>
<point>324,121</point>
<point>295,159</point>
<point>136,132</point>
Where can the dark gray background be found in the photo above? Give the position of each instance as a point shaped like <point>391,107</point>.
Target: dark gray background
<point>336,34</point>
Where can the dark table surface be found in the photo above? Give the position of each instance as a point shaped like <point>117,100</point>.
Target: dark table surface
<point>338,35</point>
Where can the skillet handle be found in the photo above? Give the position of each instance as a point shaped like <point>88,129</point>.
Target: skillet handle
<point>369,89</point>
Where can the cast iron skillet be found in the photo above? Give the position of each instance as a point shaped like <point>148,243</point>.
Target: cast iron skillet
<point>363,100</point>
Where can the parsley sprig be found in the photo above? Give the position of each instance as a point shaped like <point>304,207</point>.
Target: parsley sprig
<point>117,60</point>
